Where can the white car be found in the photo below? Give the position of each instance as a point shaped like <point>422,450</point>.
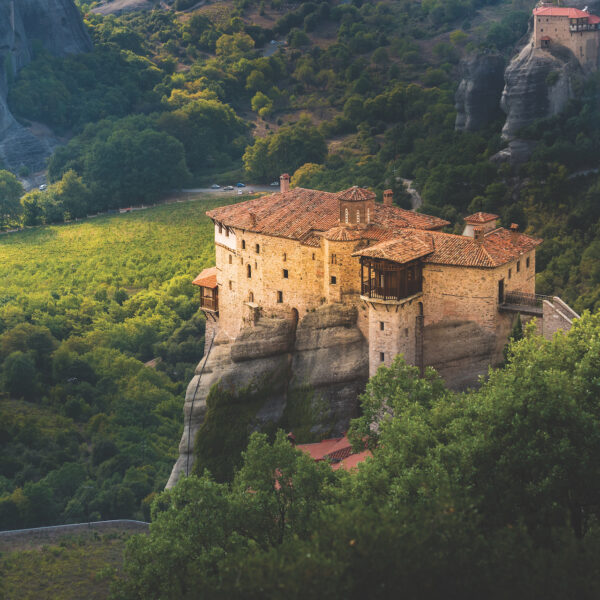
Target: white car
<point>215,186</point>
<point>43,187</point>
<point>274,183</point>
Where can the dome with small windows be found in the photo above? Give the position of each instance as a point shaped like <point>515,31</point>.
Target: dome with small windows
<point>357,206</point>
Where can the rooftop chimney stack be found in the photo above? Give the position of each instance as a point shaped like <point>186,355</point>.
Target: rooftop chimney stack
<point>514,228</point>
<point>478,234</point>
<point>284,183</point>
<point>388,197</point>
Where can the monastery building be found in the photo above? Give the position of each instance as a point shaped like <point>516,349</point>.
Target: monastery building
<point>437,298</point>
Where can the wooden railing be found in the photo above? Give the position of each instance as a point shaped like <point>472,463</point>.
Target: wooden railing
<point>397,291</point>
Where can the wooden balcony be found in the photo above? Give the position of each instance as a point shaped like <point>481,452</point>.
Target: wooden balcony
<point>209,299</point>
<point>389,281</point>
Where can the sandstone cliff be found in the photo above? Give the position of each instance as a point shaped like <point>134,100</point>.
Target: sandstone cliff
<point>57,25</point>
<point>322,361</point>
<point>478,94</point>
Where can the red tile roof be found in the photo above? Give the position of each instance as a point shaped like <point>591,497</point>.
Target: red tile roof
<point>497,248</point>
<point>208,278</point>
<point>407,245</point>
<point>319,450</point>
<point>352,461</point>
<point>300,214</point>
<point>356,194</point>
<point>342,234</point>
<point>480,217</point>
<point>560,11</point>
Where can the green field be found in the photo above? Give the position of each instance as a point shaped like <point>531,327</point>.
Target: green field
<point>66,567</point>
<point>86,429</point>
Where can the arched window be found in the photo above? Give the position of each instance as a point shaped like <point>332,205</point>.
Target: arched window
<point>249,269</point>
<point>368,215</point>
<point>346,212</point>
<point>358,216</point>
<point>250,297</point>
<point>230,259</point>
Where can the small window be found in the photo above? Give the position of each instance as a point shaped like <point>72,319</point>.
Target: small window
<point>527,263</point>
<point>284,257</point>
<point>333,280</point>
<point>368,215</point>
<point>230,285</point>
<point>509,273</point>
<point>257,248</point>
<point>358,216</point>
<point>406,332</point>
<point>285,273</point>
<point>249,270</point>
<point>346,216</point>
<point>313,256</point>
<point>280,297</point>
<point>333,259</point>
<point>382,356</point>
<point>220,228</point>
<point>381,325</point>
<point>241,261</point>
<point>518,266</point>
<point>230,259</point>
<point>250,297</point>
<point>243,244</point>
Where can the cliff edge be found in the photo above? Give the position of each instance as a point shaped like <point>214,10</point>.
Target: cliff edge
<point>58,26</point>
<point>311,372</point>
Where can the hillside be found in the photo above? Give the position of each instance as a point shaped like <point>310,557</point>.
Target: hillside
<point>82,308</point>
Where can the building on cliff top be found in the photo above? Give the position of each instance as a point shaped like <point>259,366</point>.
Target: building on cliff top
<point>575,29</point>
<point>439,299</point>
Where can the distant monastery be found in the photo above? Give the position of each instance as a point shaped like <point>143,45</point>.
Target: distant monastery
<point>439,299</point>
<point>575,29</point>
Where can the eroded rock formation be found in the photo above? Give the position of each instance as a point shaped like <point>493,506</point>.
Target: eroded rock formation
<point>478,94</point>
<point>538,84</point>
<point>57,25</point>
<point>324,359</point>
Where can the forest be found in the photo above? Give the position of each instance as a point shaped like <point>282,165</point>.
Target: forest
<point>89,430</point>
<point>486,494</point>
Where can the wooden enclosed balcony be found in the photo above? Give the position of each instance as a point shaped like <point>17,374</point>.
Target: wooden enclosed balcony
<point>389,281</point>
<point>209,290</point>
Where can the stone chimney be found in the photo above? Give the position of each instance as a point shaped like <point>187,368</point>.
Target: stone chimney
<point>252,219</point>
<point>478,234</point>
<point>284,183</point>
<point>388,197</point>
<point>514,228</point>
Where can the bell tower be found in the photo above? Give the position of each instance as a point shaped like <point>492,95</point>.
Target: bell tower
<point>357,207</point>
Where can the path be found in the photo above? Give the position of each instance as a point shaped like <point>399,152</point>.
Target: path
<point>415,198</point>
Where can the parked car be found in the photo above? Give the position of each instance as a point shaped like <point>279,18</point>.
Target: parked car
<point>240,184</point>
<point>43,187</point>
<point>274,184</point>
<point>227,188</point>
<point>215,186</point>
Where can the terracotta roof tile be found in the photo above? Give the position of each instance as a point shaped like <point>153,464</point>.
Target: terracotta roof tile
<point>407,245</point>
<point>481,217</point>
<point>352,461</point>
<point>560,11</point>
<point>208,278</point>
<point>342,234</point>
<point>300,214</point>
<point>498,247</point>
<point>356,194</point>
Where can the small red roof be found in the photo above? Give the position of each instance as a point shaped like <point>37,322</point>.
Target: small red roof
<point>560,11</point>
<point>593,19</point>
<point>481,217</point>
<point>319,450</point>
<point>545,38</point>
<point>208,278</point>
<point>352,461</point>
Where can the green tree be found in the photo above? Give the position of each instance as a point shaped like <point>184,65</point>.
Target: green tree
<point>10,192</point>
<point>19,376</point>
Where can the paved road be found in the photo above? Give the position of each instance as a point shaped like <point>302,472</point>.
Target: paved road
<point>245,190</point>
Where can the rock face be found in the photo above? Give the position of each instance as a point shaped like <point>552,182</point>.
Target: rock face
<point>324,358</point>
<point>57,25</point>
<point>478,94</point>
<point>538,84</point>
